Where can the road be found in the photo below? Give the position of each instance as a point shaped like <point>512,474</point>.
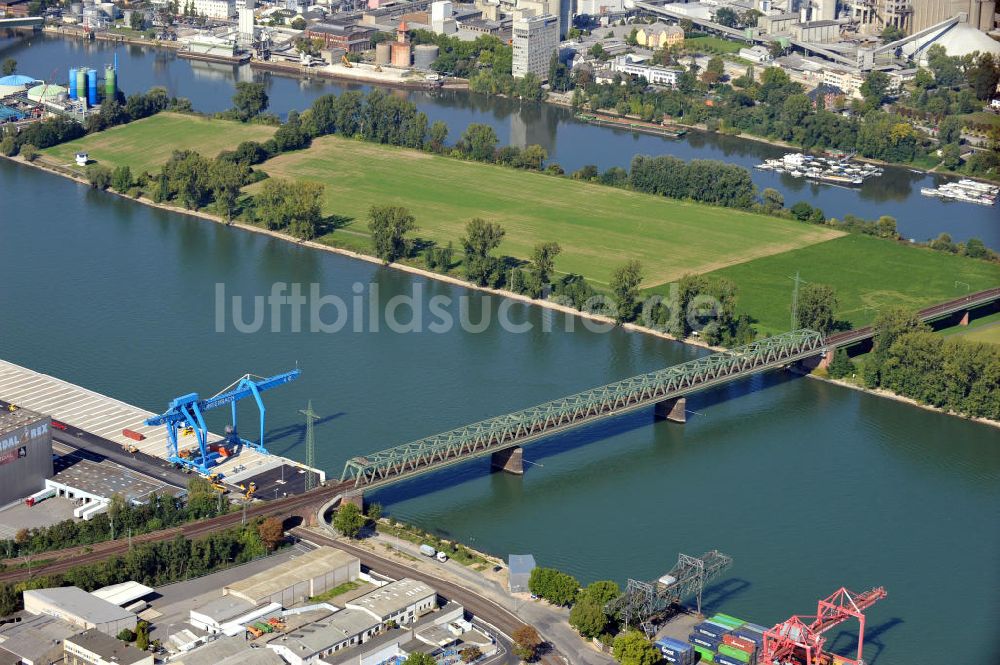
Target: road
<point>483,608</point>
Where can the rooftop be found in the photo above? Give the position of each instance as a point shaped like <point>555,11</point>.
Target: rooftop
<point>393,597</point>
<point>520,563</point>
<point>321,635</point>
<point>224,608</point>
<point>35,636</point>
<point>76,601</point>
<point>123,594</point>
<point>299,569</point>
<point>12,420</point>
<point>105,479</point>
<point>108,648</point>
<point>229,651</point>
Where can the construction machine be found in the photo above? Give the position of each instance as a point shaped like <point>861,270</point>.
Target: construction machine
<point>345,61</point>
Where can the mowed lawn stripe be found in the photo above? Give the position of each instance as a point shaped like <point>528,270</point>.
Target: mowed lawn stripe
<point>868,273</point>
<point>598,227</point>
<point>144,145</point>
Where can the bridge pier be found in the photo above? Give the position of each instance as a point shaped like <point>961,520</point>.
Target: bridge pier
<point>674,410</point>
<point>826,358</point>
<point>964,321</point>
<point>356,497</point>
<point>510,460</point>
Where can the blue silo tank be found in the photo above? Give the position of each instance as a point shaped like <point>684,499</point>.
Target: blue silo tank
<point>92,87</point>
<point>72,82</point>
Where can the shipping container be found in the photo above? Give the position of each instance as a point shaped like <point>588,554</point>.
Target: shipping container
<point>726,620</point>
<point>132,434</point>
<point>704,640</point>
<point>723,659</point>
<point>707,655</point>
<point>754,627</point>
<point>756,638</point>
<point>741,643</point>
<point>733,652</point>
<point>712,629</point>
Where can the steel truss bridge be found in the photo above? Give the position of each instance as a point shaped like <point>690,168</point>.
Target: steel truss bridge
<point>514,429</point>
<point>643,604</point>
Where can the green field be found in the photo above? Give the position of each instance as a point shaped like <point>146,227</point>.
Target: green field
<point>146,144</point>
<point>868,274</point>
<point>598,227</point>
<point>712,44</point>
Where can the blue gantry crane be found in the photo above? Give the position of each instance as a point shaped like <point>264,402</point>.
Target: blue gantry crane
<point>186,413</point>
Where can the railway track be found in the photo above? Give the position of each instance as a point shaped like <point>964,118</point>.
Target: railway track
<point>60,561</point>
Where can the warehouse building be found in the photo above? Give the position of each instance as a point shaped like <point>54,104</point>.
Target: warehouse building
<point>25,453</point>
<point>401,601</point>
<point>76,606</point>
<point>340,630</point>
<point>92,647</point>
<point>34,640</point>
<point>298,579</point>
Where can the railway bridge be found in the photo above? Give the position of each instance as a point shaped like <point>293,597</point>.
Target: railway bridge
<point>502,436</point>
<point>959,308</point>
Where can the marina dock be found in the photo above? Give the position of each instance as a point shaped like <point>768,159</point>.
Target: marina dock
<point>73,406</point>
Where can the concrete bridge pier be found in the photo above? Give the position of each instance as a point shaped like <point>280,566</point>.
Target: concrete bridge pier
<point>510,460</point>
<point>964,321</point>
<point>674,410</point>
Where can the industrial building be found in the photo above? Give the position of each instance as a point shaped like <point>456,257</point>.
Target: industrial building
<point>228,651</point>
<point>535,39</point>
<point>401,602</point>
<point>34,639</point>
<point>912,16</point>
<point>349,37</point>
<point>338,631</point>
<point>25,453</point>
<point>298,579</point>
<point>92,647</point>
<point>77,607</point>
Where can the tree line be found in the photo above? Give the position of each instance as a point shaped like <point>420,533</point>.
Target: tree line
<point>117,111</point>
<point>951,373</point>
<point>153,564</point>
<point>591,616</point>
<point>159,512</point>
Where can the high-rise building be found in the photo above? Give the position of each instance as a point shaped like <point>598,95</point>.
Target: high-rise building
<point>536,38</point>
<point>566,10</point>
<point>245,22</point>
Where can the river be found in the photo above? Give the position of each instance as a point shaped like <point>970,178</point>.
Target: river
<point>807,485</point>
<point>569,142</point>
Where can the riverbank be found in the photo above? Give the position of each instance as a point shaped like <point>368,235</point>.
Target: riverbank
<point>413,270</point>
<point>449,279</point>
<point>888,394</point>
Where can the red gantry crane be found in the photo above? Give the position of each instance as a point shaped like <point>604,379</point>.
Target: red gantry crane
<point>800,639</point>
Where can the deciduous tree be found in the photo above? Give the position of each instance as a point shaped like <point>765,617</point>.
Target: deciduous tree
<point>388,226</point>
<point>816,308</point>
<point>349,520</point>
<point>527,641</point>
<point>632,648</point>
<point>624,285</point>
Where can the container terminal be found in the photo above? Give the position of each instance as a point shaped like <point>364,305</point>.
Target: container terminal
<point>101,430</point>
<point>685,636</point>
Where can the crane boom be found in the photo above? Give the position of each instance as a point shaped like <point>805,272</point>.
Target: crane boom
<point>187,412</point>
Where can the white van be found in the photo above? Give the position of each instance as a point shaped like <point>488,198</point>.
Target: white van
<point>442,557</point>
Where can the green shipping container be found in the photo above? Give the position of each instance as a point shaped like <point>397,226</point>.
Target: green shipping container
<point>707,656</point>
<point>733,652</point>
<point>727,620</point>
